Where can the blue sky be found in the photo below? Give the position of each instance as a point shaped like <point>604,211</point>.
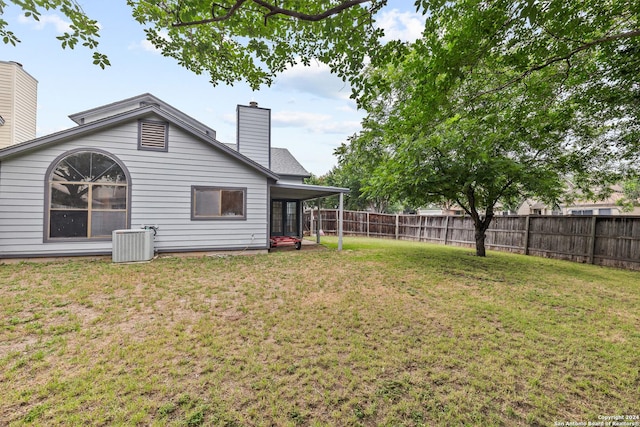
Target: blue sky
<point>310,108</point>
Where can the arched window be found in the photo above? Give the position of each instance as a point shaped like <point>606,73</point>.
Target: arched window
<point>88,196</point>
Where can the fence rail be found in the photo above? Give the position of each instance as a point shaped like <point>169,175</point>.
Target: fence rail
<point>601,240</point>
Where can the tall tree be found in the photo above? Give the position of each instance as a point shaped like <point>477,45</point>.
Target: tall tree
<point>357,163</point>
<point>507,99</point>
<point>253,40</point>
<point>630,195</point>
<point>460,140</point>
<point>353,176</point>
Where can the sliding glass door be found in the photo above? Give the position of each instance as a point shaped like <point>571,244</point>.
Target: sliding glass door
<point>284,218</point>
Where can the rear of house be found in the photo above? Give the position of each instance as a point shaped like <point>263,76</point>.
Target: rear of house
<point>64,194</point>
<point>140,162</point>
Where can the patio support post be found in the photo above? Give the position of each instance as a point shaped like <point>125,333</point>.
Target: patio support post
<point>340,221</point>
<point>319,223</point>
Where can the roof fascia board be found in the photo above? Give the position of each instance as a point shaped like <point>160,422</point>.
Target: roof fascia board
<point>312,187</point>
<point>290,176</point>
<point>304,191</point>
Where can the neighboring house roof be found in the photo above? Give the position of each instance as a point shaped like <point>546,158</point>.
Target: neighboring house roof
<point>611,202</point>
<point>283,163</point>
<point>135,114</point>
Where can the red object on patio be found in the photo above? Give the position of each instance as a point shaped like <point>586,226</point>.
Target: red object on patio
<point>276,241</point>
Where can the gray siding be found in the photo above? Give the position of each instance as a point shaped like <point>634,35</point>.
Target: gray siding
<point>290,180</point>
<point>161,195</point>
<point>254,134</point>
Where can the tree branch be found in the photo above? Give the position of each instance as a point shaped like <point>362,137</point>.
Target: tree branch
<point>501,192</point>
<point>626,35</point>
<point>272,11</point>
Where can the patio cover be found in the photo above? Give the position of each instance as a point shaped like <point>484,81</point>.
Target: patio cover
<point>307,192</point>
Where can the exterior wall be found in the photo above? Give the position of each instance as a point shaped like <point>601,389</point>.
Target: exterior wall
<point>533,207</point>
<point>254,134</point>
<point>161,195</point>
<point>289,179</point>
<point>18,104</point>
<point>600,209</point>
<point>6,103</point>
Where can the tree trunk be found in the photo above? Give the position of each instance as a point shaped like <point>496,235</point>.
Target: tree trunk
<point>481,227</point>
<point>480,236</point>
<point>480,224</point>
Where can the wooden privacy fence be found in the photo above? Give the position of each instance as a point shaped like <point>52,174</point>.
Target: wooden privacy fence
<point>602,240</point>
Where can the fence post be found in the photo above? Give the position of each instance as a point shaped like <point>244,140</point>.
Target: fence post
<point>527,225</point>
<point>446,229</point>
<point>592,241</point>
<point>397,225</point>
<point>367,224</point>
<point>311,229</point>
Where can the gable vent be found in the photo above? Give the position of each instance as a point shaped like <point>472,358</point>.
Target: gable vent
<point>153,136</point>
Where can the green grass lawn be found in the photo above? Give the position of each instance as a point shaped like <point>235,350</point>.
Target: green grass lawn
<point>383,333</point>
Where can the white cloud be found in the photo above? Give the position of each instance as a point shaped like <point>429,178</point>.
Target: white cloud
<point>297,119</point>
<point>313,122</point>
<point>315,79</point>
<point>144,45</point>
<point>147,46</point>
<point>61,26</point>
<point>347,108</point>
<point>229,118</point>
<point>404,26</point>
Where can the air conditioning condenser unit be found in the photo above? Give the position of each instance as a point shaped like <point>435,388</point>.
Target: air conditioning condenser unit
<point>132,245</point>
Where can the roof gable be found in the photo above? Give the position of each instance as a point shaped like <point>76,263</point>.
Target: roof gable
<point>133,103</point>
<point>126,116</point>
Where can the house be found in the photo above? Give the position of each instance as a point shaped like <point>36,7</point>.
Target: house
<point>141,161</point>
<point>18,98</point>
<point>607,206</point>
